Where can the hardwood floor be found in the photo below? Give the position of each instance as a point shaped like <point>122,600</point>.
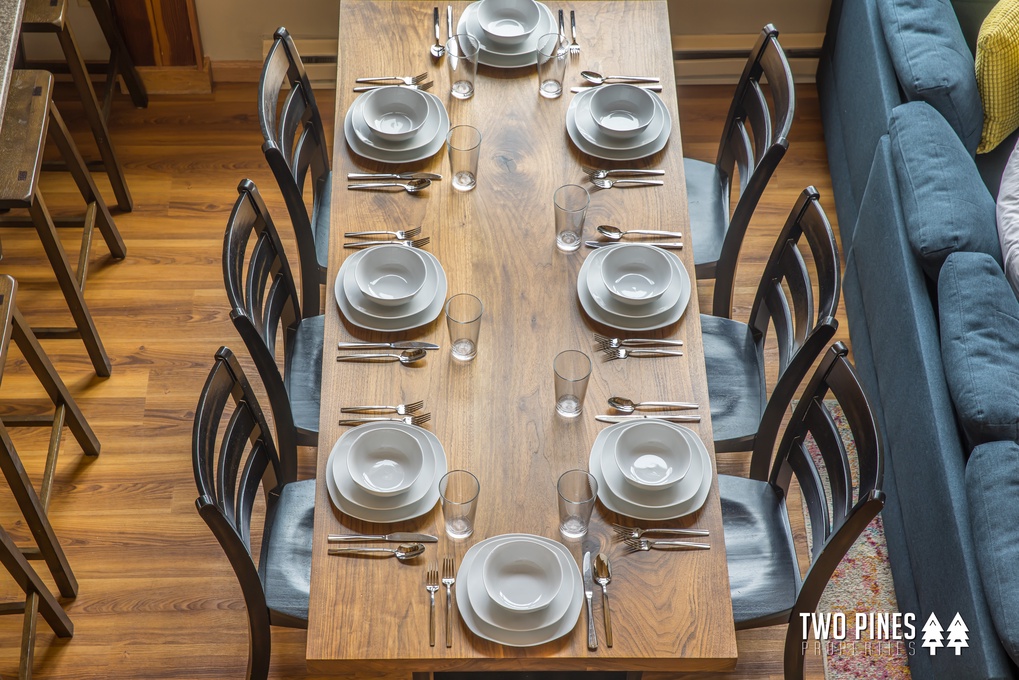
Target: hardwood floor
<point>157,597</point>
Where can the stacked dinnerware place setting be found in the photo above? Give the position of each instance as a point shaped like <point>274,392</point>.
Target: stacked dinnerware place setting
<point>507,30</point>
<point>633,286</point>
<point>619,122</point>
<point>520,590</point>
<point>396,124</point>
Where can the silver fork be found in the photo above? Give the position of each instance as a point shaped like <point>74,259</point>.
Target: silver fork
<point>401,409</point>
<point>406,80</point>
<point>644,545</point>
<point>574,45</point>
<point>399,235</point>
<point>448,579</point>
<point>595,173</point>
<point>605,342</point>
<point>636,532</point>
<point>422,86</point>
<point>419,419</point>
<point>609,183</point>
<point>416,243</point>
<point>623,353</point>
<point>432,586</point>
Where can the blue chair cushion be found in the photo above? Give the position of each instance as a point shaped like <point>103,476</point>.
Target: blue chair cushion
<point>945,204</point>
<point>286,574</point>
<point>979,321</point>
<point>933,62</point>
<point>992,487</point>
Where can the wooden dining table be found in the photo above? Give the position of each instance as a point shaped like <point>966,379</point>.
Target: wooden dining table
<point>495,416</point>
<point>10,28</point>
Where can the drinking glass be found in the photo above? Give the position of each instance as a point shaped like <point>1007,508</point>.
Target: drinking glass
<point>577,491</point>
<point>571,203</point>
<point>552,54</point>
<point>464,144</point>
<point>462,57</point>
<point>458,495</point>
<point>572,371</point>
<point>463,318</point>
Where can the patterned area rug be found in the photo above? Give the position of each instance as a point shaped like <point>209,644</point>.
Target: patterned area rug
<point>862,583</point>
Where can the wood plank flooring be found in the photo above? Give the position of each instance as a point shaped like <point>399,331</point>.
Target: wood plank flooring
<point>157,596</point>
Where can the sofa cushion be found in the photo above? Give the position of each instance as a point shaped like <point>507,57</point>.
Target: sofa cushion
<point>944,202</point>
<point>997,73</point>
<point>1008,219</point>
<point>979,324</point>
<point>933,63</point>
<point>992,486</point>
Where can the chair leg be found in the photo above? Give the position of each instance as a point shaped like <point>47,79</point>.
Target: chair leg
<point>120,53</point>
<point>65,277</point>
<point>86,185</point>
<point>79,74</point>
<point>29,582</point>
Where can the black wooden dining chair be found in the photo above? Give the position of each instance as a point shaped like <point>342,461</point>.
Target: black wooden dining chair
<point>742,409</point>
<point>754,140</point>
<point>234,454</point>
<point>263,298</point>
<point>841,497</point>
<point>294,144</point>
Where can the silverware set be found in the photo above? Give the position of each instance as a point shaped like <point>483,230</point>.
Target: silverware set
<point>585,88</point>
<point>625,532</point>
<point>623,183</point>
<point>412,243</point>
<point>605,342</point>
<point>404,552</point>
<point>632,537</point>
<point>666,418</point>
<point>612,354</point>
<point>399,409</point>
<point>407,357</point>
<point>425,86</point>
<point>418,419</point>
<point>574,45</point>
<point>403,344</point>
<point>606,179</point>
<point>432,586</point>
<point>411,186</point>
<point>624,405</point>
<point>401,537</point>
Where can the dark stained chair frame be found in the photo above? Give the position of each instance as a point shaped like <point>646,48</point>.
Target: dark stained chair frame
<point>833,530</point>
<point>232,458</point>
<point>803,326</point>
<point>755,155</point>
<point>294,144</point>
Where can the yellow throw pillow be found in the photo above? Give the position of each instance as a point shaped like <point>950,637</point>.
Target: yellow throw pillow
<point>997,68</point>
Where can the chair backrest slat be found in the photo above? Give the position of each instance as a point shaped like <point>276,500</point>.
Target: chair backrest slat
<point>758,114</point>
<point>803,467</point>
<point>838,470</point>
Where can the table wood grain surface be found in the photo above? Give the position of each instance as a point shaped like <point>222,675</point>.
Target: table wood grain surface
<point>495,416</point>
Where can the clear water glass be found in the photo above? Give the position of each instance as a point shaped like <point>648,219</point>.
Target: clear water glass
<point>462,56</point>
<point>552,54</point>
<point>571,203</point>
<point>458,496</point>
<point>463,318</point>
<point>464,144</point>
<point>572,370</point>
<point>577,491</point>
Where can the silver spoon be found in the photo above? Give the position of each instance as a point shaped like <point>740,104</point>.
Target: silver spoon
<point>603,576</point>
<point>624,405</point>
<point>403,552</point>
<point>437,49</point>
<point>599,79</point>
<point>410,186</point>
<point>615,233</point>
<point>406,357</point>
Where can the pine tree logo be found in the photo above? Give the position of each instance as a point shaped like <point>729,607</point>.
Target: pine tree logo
<point>932,637</point>
<point>957,634</point>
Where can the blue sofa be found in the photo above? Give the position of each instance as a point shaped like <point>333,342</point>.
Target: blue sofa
<point>909,192</point>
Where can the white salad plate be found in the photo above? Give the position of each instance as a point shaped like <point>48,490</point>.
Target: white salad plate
<point>376,318</point>
<point>502,56</point>
<point>353,493</point>
<point>518,638</point>
<point>588,128</point>
<point>598,289</point>
<point>385,153</point>
<point>659,499</point>
<point>615,153</point>
<point>416,141</point>
<point>372,309</point>
<point>640,511</point>
<point>664,318</point>
<point>388,515</point>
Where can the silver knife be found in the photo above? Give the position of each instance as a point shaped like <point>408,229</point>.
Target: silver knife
<point>408,344</point>
<point>392,538</point>
<point>592,635</point>
<point>666,246</point>
<point>650,88</point>
<point>626,419</point>
<point>393,175</point>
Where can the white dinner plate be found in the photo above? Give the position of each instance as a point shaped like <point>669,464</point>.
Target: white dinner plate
<point>609,154</point>
<point>347,286</point>
<point>352,492</point>
<point>604,316</point>
<point>505,56</point>
<point>513,638</point>
<point>600,292</point>
<point>624,507</point>
<point>424,135</point>
<point>387,156</point>
<point>588,127</point>
<point>492,613</point>
<point>657,499</point>
<point>400,514</point>
<point>370,323</point>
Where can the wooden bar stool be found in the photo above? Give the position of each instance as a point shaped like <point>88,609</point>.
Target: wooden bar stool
<point>30,113</point>
<point>50,16</point>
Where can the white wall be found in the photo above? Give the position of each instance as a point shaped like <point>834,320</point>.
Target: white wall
<point>233,30</point>
<point>747,16</point>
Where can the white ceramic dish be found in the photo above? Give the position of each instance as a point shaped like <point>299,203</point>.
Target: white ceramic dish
<point>394,113</point>
<point>387,155</point>
<point>600,293</point>
<point>357,496</point>
<point>636,275</point>
<point>431,305</point>
<point>605,152</point>
<point>508,22</point>
<point>385,461</point>
<point>671,312</point>
<point>501,56</point>
<point>622,111</point>
<point>651,455</point>
<point>532,638</point>
<point>390,275</point>
<point>619,505</point>
<point>659,499</point>
<point>410,511</point>
<point>522,576</point>
<point>422,137</point>
<point>589,130</point>
<point>371,309</point>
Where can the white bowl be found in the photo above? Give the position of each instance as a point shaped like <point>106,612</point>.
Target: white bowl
<point>390,274</point>
<point>522,575</point>
<point>394,113</point>
<point>385,461</point>
<point>652,455</point>
<point>622,111</point>
<point>636,274</point>
<point>507,22</point>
